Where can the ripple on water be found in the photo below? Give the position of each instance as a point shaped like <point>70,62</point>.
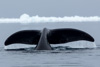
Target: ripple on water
<point>50,58</point>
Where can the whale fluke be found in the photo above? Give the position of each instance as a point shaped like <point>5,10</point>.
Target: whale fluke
<point>24,37</point>
<point>65,35</point>
<point>43,39</point>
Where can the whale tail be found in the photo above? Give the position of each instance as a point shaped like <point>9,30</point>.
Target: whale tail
<point>43,39</point>
<point>43,43</point>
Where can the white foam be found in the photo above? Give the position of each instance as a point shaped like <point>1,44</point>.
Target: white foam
<point>75,44</point>
<point>25,18</point>
<point>18,46</point>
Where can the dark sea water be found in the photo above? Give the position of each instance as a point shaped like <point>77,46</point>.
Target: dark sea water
<point>53,58</point>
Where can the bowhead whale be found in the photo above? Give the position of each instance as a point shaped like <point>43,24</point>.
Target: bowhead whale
<point>43,39</point>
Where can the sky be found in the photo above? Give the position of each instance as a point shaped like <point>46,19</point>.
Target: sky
<point>15,8</point>
<point>26,9</point>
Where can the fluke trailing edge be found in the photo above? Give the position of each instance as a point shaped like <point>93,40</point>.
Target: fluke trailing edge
<point>43,39</point>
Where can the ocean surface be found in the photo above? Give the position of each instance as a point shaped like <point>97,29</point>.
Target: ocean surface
<point>53,58</point>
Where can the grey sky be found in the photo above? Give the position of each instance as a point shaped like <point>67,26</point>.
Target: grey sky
<point>14,8</point>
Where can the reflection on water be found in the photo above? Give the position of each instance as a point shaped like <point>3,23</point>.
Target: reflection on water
<point>50,58</point>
